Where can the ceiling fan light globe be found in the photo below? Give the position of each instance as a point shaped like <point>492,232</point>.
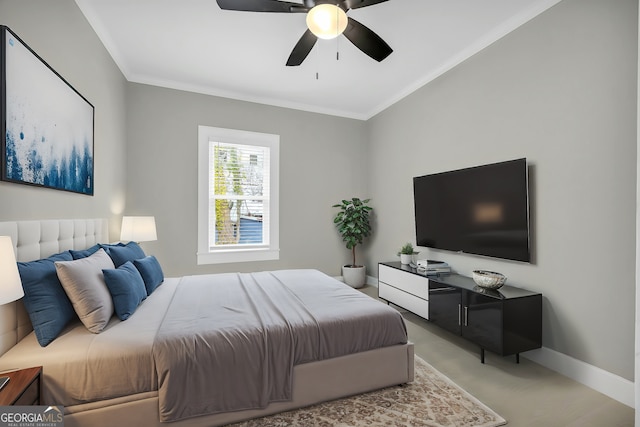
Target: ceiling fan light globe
<point>326,21</point>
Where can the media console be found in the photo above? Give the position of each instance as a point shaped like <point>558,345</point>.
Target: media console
<point>506,321</point>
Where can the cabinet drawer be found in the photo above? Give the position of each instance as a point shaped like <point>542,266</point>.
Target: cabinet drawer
<point>408,282</point>
<point>407,301</point>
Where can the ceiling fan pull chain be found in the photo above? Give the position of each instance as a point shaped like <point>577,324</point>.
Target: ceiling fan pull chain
<point>337,38</point>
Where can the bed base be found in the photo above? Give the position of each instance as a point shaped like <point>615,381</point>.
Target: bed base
<point>313,383</point>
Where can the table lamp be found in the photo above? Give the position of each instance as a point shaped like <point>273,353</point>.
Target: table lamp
<point>10,284</point>
<point>138,229</point>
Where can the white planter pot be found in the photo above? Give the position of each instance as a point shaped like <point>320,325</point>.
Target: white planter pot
<point>354,276</point>
<point>406,258</point>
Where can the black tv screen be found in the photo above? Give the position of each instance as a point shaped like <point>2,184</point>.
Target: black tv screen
<point>483,210</point>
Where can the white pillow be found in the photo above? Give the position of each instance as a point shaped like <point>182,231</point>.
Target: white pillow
<point>84,284</point>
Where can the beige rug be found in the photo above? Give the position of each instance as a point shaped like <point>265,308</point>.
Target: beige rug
<point>432,400</point>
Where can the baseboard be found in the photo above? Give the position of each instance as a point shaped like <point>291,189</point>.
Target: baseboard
<point>609,384</point>
<point>373,281</point>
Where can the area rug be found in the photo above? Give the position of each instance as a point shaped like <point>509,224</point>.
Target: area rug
<point>432,400</point>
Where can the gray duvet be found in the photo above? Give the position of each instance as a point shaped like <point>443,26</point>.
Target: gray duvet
<point>229,341</point>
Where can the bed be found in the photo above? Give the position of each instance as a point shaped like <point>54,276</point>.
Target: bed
<point>129,373</point>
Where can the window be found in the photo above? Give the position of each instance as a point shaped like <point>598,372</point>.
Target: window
<point>237,196</point>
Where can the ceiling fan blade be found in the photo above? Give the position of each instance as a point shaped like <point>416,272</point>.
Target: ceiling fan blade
<point>262,6</point>
<point>366,40</point>
<point>356,4</point>
<point>302,49</point>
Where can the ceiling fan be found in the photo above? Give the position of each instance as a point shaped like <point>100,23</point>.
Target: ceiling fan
<point>325,19</point>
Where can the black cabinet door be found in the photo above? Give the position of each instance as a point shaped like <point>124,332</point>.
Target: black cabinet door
<point>482,321</point>
<point>445,306</point>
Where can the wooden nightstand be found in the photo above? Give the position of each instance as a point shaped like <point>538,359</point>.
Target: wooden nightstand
<point>23,388</point>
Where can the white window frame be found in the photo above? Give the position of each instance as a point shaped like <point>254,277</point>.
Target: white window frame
<point>208,255</point>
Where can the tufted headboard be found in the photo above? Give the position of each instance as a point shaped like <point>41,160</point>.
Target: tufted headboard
<point>39,239</point>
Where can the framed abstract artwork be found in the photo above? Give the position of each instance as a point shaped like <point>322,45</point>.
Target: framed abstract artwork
<point>47,126</point>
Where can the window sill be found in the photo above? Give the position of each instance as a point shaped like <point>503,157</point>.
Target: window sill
<point>237,255</point>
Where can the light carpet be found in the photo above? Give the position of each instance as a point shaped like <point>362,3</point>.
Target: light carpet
<point>432,400</point>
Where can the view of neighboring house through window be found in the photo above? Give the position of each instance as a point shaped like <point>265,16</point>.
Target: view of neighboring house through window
<point>238,195</point>
<point>238,179</point>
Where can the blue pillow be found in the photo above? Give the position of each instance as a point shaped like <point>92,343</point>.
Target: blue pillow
<point>129,252</point>
<point>151,272</point>
<point>126,288</point>
<point>84,253</point>
<point>92,250</point>
<point>46,302</point>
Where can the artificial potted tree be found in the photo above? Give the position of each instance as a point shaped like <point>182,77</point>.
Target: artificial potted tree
<point>353,225</point>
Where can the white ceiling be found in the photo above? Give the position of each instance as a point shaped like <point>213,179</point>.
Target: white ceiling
<point>193,45</point>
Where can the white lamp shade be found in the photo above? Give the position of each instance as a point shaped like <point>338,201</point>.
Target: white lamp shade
<point>10,284</point>
<point>327,21</point>
<point>138,229</point>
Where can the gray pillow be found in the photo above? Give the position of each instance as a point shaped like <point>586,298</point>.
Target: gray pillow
<point>84,284</point>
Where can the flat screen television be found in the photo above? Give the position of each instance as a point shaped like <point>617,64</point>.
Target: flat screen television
<point>482,210</point>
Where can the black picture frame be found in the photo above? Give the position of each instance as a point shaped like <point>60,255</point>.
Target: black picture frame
<point>47,126</point>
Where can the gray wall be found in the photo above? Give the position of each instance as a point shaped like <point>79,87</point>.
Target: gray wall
<point>560,91</point>
<point>321,163</point>
<point>59,33</point>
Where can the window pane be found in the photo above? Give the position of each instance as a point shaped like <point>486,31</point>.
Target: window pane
<point>239,186</point>
<point>238,222</point>
<point>238,169</point>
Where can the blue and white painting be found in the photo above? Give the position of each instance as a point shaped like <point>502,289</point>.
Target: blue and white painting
<point>49,126</point>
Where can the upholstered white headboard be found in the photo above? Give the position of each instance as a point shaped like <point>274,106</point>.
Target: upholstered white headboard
<point>39,239</point>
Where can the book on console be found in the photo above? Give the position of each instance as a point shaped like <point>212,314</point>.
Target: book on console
<point>432,267</point>
<point>429,263</point>
<point>443,270</point>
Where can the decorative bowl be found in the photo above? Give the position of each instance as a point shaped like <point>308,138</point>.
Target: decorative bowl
<point>489,279</point>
